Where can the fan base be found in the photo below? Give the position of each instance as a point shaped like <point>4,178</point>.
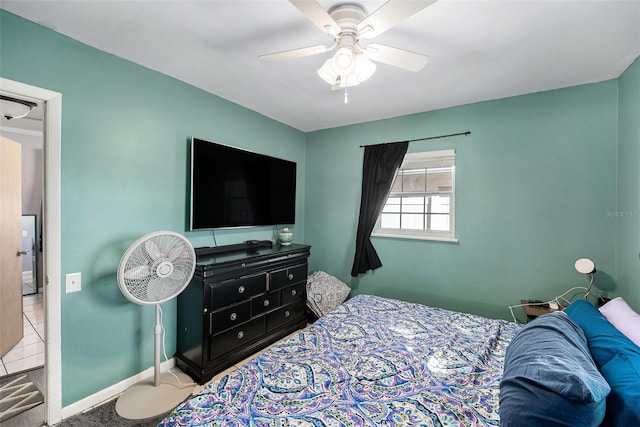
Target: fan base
<point>144,400</point>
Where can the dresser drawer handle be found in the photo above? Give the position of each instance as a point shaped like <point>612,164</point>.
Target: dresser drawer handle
<point>266,303</point>
<point>233,316</point>
<point>240,335</point>
<point>241,290</point>
<point>290,276</point>
<point>293,292</point>
<point>287,314</point>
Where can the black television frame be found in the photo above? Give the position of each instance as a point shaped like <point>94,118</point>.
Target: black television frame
<point>271,181</point>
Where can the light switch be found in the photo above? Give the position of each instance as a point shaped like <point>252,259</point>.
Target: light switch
<point>74,282</point>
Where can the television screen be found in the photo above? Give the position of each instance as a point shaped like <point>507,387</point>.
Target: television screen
<point>231,187</point>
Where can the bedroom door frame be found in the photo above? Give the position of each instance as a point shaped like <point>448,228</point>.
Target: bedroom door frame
<point>52,262</point>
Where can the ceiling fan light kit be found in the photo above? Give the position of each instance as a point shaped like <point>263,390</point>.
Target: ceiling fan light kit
<point>343,60</point>
<point>14,108</point>
<point>361,68</point>
<point>348,23</point>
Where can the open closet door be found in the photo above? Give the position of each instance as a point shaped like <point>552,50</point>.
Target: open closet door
<point>11,329</point>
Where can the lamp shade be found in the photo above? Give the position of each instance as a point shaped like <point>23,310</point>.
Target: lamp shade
<point>343,61</point>
<point>364,68</point>
<point>327,72</point>
<point>357,71</point>
<point>585,266</point>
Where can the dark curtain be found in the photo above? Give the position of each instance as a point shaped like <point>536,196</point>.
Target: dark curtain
<point>379,168</point>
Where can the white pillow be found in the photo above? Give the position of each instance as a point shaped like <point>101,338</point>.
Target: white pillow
<point>627,321</point>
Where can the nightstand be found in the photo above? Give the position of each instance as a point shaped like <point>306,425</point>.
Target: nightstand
<point>533,311</point>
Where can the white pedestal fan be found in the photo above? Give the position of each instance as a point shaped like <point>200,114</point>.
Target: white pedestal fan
<point>155,269</point>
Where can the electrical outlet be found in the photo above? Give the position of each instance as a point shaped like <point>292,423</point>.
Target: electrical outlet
<point>74,282</point>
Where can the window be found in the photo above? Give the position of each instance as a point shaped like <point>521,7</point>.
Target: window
<point>421,202</point>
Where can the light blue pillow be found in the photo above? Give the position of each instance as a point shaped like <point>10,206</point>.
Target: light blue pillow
<point>618,359</point>
<point>550,378</point>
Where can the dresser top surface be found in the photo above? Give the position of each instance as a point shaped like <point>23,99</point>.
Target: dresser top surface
<point>250,254</point>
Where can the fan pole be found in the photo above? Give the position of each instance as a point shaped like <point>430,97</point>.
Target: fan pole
<point>157,331</point>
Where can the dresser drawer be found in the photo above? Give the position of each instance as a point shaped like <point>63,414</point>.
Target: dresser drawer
<point>236,337</point>
<point>293,293</point>
<point>287,276</point>
<point>229,317</point>
<point>235,290</point>
<point>288,313</point>
<point>265,302</point>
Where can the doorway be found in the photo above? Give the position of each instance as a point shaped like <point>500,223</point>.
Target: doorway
<point>24,361</point>
<point>51,238</point>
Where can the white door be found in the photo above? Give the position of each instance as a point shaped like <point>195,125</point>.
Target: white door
<point>11,328</point>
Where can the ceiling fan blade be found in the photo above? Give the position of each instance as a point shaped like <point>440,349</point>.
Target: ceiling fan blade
<point>396,57</point>
<point>389,15</point>
<point>316,14</point>
<point>295,53</point>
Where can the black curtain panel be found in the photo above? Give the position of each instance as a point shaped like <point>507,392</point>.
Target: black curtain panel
<point>380,164</point>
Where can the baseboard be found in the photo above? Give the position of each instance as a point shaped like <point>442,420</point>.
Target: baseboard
<point>110,392</point>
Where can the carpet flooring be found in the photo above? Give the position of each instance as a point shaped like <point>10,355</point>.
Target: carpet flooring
<point>105,416</point>
<point>17,395</point>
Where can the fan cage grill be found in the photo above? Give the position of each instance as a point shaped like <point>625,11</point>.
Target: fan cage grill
<point>139,280</point>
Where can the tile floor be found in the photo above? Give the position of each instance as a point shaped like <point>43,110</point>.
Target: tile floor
<point>28,353</point>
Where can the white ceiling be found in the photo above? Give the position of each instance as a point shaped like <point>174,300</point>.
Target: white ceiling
<point>479,50</point>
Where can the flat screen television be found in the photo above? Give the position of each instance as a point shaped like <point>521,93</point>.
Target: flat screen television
<point>231,187</point>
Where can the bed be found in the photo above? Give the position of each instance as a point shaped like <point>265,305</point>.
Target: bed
<point>373,361</point>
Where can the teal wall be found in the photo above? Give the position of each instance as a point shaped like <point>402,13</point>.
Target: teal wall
<point>124,174</point>
<point>533,181</point>
<point>628,209</point>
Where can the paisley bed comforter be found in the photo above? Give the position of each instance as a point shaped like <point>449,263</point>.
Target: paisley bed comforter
<point>371,362</point>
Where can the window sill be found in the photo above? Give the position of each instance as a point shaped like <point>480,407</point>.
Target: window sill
<point>414,237</point>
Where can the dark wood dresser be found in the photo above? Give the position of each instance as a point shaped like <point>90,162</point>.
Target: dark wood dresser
<point>238,302</point>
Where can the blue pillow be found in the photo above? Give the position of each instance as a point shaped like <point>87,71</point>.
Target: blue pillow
<point>618,359</point>
<point>550,378</point>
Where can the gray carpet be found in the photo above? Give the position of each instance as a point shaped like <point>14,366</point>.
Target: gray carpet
<point>18,394</point>
<point>105,416</point>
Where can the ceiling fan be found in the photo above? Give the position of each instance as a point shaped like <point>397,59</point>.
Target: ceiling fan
<point>347,24</point>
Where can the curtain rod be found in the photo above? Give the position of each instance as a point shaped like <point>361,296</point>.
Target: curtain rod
<point>421,139</point>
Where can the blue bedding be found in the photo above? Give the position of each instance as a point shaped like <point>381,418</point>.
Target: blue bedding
<point>548,362</point>
<point>371,362</point>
